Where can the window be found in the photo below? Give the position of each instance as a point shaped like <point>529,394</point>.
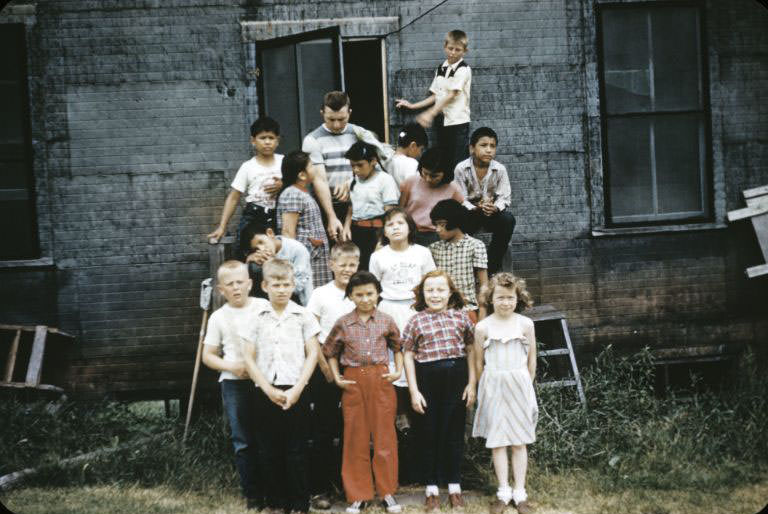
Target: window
<point>17,200</point>
<point>654,114</point>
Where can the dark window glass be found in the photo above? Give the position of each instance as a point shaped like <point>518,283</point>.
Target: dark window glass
<point>17,202</point>
<point>653,114</point>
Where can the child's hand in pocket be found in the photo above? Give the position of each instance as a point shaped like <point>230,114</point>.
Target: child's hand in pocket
<point>391,377</point>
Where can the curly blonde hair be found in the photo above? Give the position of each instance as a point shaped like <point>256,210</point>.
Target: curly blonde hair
<point>508,280</point>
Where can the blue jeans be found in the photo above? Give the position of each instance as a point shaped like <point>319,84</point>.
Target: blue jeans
<point>239,397</point>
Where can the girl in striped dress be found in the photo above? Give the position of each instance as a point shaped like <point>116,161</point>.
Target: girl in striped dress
<point>507,412</point>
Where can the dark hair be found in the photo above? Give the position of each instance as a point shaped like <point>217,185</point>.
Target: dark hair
<point>510,281</point>
<point>293,164</point>
<point>361,278</point>
<point>435,161</point>
<point>450,210</point>
<point>412,133</point>
<point>483,132</point>
<point>254,228</point>
<point>361,151</point>
<point>455,300</point>
<point>265,124</point>
<point>394,211</point>
<point>335,100</point>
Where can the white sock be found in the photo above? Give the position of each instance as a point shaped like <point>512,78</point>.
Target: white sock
<point>454,488</point>
<point>504,493</point>
<point>519,495</point>
<point>432,490</point>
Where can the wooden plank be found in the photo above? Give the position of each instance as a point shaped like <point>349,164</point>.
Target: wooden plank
<point>755,191</point>
<point>35,368</point>
<point>40,387</point>
<point>559,351</point>
<point>747,212</point>
<point>757,271</point>
<point>12,357</point>
<point>32,328</point>
<point>543,313</point>
<point>760,224</point>
<point>755,200</point>
<point>576,376</point>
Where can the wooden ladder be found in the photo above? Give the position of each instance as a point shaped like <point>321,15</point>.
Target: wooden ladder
<point>757,211</point>
<point>551,324</point>
<point>35,365</point>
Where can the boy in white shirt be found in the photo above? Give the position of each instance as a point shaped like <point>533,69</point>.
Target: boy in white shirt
<point>328,303</point>
<point>450,97</point>
<point>222,352</point>
<point>259,178</point>
<point>280,355</point>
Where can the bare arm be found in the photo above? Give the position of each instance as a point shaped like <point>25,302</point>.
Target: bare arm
<point>230,204</point>
<point>277,396</point>
<point>323,195</point>
<point>402,102</point>
<point>213,360</point>
<point>481,279</point>
<point>530,334</point>
<point>417,399</point>
<point>290,222</point>
<point>471,390</point>
<point>342,382</point>
<point>479,350</point>
<point>425,118</point>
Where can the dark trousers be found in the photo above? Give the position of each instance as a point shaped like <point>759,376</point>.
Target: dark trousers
<point>440,431</point>
<point>501,225</point>
<point>282,438</point>
<point>365,238</point>
<point>238,397</point>
<point>253,214</point>
<point>453,140</point>
<point>326,423</point>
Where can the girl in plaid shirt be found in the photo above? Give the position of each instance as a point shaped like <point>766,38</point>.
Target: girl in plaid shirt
<point>438,351</point>
<point>298,215</point>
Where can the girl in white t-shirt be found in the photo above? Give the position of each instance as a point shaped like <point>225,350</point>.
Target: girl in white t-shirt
<point>399,266</point>
<point>411,142</point>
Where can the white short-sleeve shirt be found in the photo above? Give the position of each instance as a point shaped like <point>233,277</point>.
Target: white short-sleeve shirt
<point>457,111</point>
<point>370,196</point>
<point>280,341</point>
<point>229,328</point>
<point>400,272</point>
<point>328,303</point>
<point>253,176</point>
<point>402,167</point>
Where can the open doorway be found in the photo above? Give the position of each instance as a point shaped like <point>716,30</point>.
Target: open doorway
<point>365,82</point>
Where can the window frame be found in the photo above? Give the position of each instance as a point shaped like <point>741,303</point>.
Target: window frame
<point>602,221</point>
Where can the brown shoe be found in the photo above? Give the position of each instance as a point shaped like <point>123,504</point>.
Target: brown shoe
<point>456,501</point>
<point>524,508</point>
<point>497,507</point>
<point>432,503</point>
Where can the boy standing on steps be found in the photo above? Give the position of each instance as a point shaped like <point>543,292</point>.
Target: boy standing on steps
<point>485,184</point>
<point>449,97</point>
<point>280,357</point>
<point>259,178</point>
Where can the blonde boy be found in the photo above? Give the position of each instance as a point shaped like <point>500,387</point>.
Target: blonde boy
<point>328,303</point>
<point>280,357</point>
<point>450,92</point>
<point>222,352</point>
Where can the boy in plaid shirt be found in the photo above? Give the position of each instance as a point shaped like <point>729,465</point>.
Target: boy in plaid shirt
<point>360,341</point>
<point>462,256</point>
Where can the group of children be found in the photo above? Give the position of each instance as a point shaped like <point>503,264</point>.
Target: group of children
<point>398,316</point>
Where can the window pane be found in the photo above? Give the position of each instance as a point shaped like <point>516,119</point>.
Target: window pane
<point>629,165</point>
<point>318,76</point>
<point>280,93</point>
<point>17,225</point>
<point>675,59</point>
<point>678,163</point>
<point>625,60</point>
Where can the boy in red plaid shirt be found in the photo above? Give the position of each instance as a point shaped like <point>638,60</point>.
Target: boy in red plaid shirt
<point>359,341</point>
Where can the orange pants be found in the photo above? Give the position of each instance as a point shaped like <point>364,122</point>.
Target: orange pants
<point>369,408</point>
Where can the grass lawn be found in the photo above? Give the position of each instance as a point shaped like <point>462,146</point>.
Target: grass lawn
<point>579,492</point>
